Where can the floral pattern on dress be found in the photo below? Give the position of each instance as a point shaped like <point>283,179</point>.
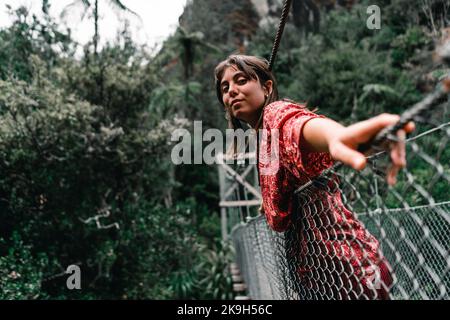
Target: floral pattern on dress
<point>329,229</point>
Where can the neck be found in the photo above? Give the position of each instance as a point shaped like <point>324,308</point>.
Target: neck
<point>256,121</point>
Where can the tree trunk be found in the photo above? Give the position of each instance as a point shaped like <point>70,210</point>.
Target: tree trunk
<point>96,35</point>
<point>316,15</point>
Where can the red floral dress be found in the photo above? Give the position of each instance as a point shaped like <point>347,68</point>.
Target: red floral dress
<point>337,257</point>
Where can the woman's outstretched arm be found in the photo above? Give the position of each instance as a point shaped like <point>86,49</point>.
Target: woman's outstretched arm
<point>326,135</point>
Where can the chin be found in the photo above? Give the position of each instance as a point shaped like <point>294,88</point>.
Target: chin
<point>239,115</point>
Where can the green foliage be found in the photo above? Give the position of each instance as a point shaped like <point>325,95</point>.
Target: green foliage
<point>86,140</point>
<point>64,162</point>
<point>167,100</point>
<point>405,45</point>
<point>20,271</point>
<point>87,178</point>
<point>28,36</point>
<point>208,278</point>
<point>337,68</point>
<point>120,79</point>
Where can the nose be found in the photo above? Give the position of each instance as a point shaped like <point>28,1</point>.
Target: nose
<point>232,90</point>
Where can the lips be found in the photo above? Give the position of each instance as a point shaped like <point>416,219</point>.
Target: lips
<point>235,101</point>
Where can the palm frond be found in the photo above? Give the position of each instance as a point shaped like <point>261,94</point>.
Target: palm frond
<point>86,4</point>
<point>120,5</point>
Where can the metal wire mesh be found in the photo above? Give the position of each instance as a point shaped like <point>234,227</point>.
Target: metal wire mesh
<point>354,237</point>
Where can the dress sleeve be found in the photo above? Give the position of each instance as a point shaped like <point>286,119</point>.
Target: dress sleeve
<point>294,155</point>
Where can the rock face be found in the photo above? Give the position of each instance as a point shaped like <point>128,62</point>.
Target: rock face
<point>233,22</point>
<point>305,14</point>
<point>261,7</point>
<point>267,7</point>
<point>268,10</point>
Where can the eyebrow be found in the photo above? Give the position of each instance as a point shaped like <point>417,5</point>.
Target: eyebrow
<point>236,75</point>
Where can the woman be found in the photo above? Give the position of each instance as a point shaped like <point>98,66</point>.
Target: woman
<point>338,258</point>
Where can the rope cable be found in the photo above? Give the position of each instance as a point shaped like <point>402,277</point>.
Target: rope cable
<point>284,15</point>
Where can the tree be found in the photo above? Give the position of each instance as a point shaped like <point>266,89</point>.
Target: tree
<point>93,7</point>
<point>302,10</point>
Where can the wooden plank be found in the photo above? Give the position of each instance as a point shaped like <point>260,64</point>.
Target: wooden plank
<point>241,203</point>
<point>224,223</point>
<point>239,287</point>
<point>234,185</point>
<point>239,179</point>
<point>225,157</point>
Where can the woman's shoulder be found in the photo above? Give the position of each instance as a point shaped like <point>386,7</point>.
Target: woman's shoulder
<point>277,112</point>
<point>284,105</point>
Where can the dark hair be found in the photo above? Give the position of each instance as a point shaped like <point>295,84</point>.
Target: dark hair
<point>253,67</point>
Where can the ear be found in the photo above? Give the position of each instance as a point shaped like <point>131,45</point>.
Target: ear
<point>268,86</point>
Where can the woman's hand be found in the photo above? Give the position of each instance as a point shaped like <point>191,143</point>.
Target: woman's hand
<point>344,143</point>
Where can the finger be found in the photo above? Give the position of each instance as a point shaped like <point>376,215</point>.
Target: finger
<point>409,127</point>
<point>398,157</point>
<point>348,156</point>
<point>392,175</point>
<point>364,130</point>
<point>398,154</point>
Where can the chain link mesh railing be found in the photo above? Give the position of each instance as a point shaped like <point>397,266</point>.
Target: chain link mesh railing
<point>354,237</point>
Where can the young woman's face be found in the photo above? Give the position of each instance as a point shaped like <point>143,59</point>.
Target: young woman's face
<point>242,95</point>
